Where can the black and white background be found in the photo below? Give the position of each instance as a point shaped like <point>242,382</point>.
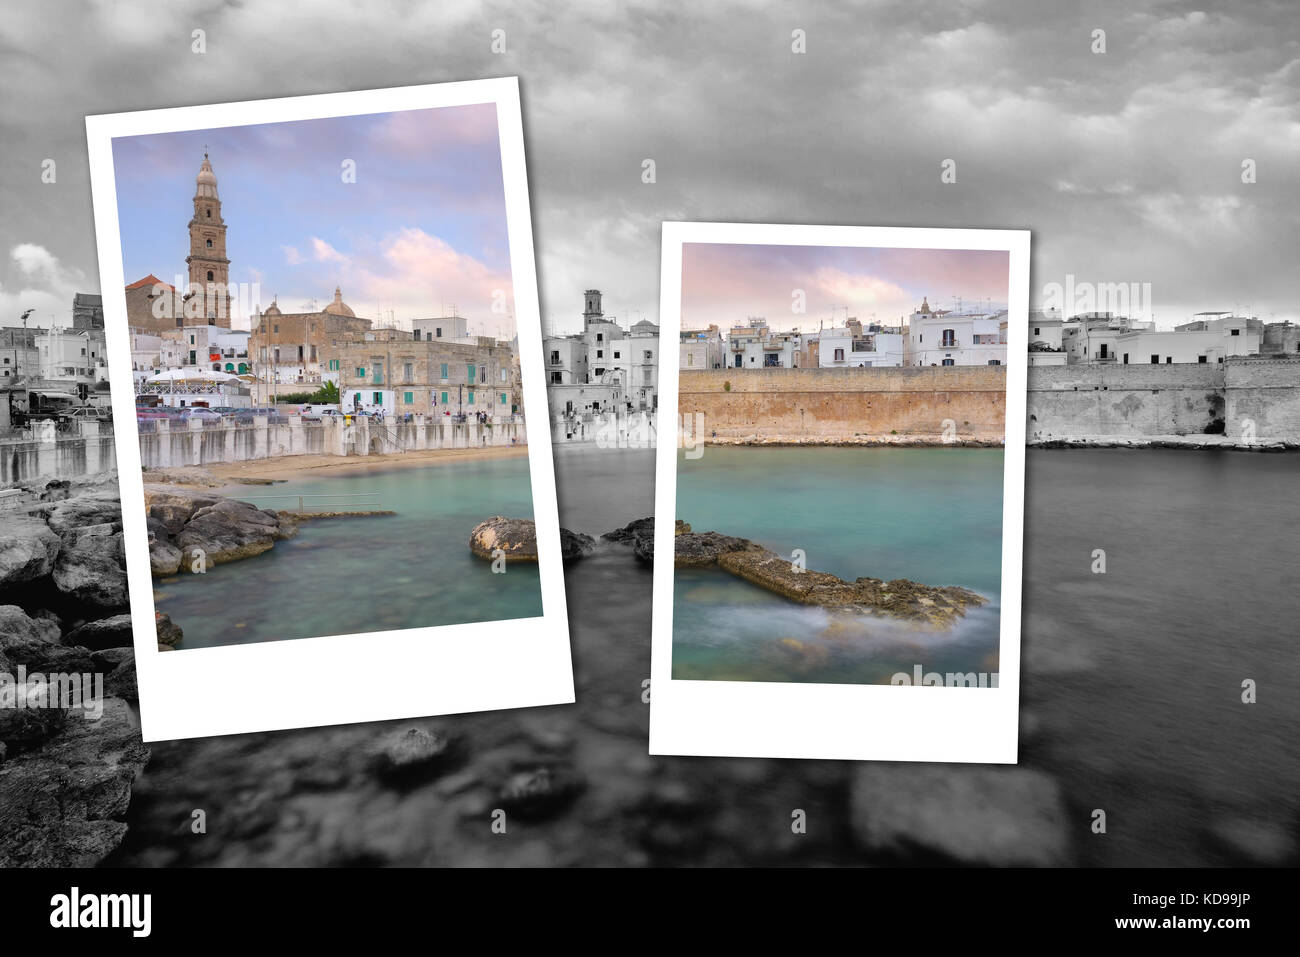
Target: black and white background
<point>1126,165</point>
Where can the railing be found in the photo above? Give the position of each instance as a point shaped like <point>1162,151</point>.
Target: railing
<point>324,502</point>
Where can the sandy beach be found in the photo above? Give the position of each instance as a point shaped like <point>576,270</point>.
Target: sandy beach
<point>285,467</point>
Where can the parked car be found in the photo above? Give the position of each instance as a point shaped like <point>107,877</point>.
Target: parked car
<point>200,412</point>
<point>87,412</point>
<point>272,415</point>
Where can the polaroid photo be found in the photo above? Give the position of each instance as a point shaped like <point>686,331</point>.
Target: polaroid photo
<point>325,357</point>
<point>838,523</point>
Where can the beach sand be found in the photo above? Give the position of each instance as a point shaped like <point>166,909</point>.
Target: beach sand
<point>296,466</point>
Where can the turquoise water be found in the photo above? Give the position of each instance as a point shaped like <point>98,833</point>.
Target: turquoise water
<point>931,515</point>
<point>350,575</point>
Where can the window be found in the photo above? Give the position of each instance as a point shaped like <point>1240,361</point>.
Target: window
<point>556,378</point>
<point>275,328</point>
<point>949,339</point>
<point>949,362</point>
<point>210,276</point>
<point>209,244</point>
<point>378,378</point>
<point>1169,360</point>
<point>443,373</point>
<point>600,337</point>
<point>439,331</point>
<point>361,372</point>
<point>208,213</point>
<point>1126,358</point>
<point>377,398</point>
<point>1203,360</point>
<point>444,398</point>
<point>408,372</point>
<point>1037,331</point>
<point>995,362</point>
<point>191,357</point>
<point>471,396</point>
<point>1155,360</point>
<point>555,357</point>
<point>600,353</point>
<point>503,398</point>
<point>839,355</point>
<point>334,365</point>
<point>648,355</point>
<point>482,374</point>
<point>617,354</point>
<point>1236,332</point>
<point>409,397</point>
<point>690,358</point>
<point>473,372</point>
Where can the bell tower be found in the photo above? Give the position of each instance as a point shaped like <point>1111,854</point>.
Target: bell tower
<point>209,268</point>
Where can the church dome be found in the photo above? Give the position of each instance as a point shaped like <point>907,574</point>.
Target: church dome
<point>206,182</point>
<point>338,307</point>
<point>272,309</point>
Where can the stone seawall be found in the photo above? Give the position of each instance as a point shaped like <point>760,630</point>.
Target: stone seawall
<point>918,405</point>
<point>165,444</point>
<point>1243,403</point>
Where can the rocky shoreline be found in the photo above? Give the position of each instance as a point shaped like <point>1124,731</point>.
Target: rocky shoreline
<point>930,605</point>
<point>65,774</point>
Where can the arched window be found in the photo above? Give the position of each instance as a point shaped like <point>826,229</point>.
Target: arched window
<point>210,276</point>
<point>209,244</point>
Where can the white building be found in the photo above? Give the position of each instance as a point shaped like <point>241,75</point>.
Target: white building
<point>453,328</point>
<point>852,346</point>
<point>1046,328</point>
<point>566,359</point>
<point>944,338</point>
<point>1209,338</point>
<point>72,354</point>
<point>701,349</point>
<point>756,346</point>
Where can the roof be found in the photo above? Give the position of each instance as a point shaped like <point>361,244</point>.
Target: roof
<point>150,280</point>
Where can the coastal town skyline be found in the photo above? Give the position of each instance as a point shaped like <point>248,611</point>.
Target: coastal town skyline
<point>365,203</point>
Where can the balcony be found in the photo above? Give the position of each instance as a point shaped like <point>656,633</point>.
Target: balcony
<point>949,344</point>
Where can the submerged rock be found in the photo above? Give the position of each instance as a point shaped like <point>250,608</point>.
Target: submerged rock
<point>413,756</point>
<point>169,633</point>
<point>540,793</point>
<point>900,598</point>
<point>227,531</point>
<point>641,536</point>
<point>999,816</point>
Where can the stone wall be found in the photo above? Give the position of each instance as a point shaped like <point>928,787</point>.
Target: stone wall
<point>164,443</point>
<point>46,452</point>
<point>1262,402</point>
<point>848,405</point>
<point>1124,401</point>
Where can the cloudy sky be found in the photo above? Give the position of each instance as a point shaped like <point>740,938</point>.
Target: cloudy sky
<point>1126,164</point>
<point>798,287</point>
<point>422,227</point>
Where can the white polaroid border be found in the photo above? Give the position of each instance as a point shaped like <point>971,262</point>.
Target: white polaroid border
<point>340,679</point>
<point>842,721</point>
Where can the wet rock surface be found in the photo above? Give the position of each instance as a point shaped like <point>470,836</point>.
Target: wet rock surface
<point>516,539</point>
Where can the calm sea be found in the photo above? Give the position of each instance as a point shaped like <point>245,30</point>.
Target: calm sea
<point>929,515</point>
<point>349,575</point>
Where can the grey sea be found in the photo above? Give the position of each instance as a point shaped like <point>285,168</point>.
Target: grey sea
<point>376,573</point>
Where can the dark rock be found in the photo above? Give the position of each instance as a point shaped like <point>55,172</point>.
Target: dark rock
<point>24,639</point>
<point>575,545</point>
<point>29,714</point>
<point>539,793</point>
<point>62,806</point>
<point>172,507</point>
<point>28,550</point>
<point>169,633</point>
<point>97,508</point>
<point>228,531</point>
<point>641,536</point>
<point>693,549</point>
<point>112,632</point>
<point>107,659</point>
<point>121,681</point>
<point>515,537</point>
<point>413,756</point>
<point>967,814</point>
<point>91,566</point>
